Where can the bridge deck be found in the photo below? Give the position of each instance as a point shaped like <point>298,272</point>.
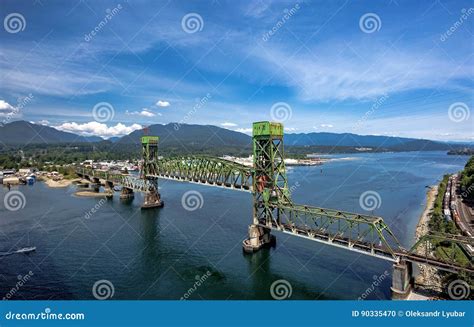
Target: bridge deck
<point>314,223</point>
<point>366,248</point>
<point>244,188</point>
<point>203,170</point>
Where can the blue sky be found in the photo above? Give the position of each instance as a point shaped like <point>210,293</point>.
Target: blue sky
<point>400,68</point>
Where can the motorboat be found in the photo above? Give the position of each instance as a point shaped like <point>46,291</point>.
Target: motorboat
<point>22,250</point>
<point>27,249</point>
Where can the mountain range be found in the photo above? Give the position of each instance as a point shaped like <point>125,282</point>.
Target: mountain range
<point>392,143</point>
<point>22,132</point>
<point>188,135</point>
<point>196,137</point>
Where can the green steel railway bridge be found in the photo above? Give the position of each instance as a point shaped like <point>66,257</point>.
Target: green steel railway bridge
<point>273,208</point>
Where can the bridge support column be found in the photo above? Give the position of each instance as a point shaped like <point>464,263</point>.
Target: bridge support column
<point>83,183</point>
<point>95,184</point>
<point>258,237</point>
<point>109,189</point>
<point>127,193</point>
<point>402,280</point>
<point>95,187</point>
<point>152,200</point>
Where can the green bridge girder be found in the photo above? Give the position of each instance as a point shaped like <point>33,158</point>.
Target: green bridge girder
<point>273,208</point>
<point>359,232</point>
<point>124,180</point>
<point>204,170</point>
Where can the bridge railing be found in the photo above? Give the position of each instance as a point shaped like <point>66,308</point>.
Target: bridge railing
<point>363,233</point>
<point>370,235</point>
<point>205,170</point>
<point>112,177</point>
<point>123,180</point>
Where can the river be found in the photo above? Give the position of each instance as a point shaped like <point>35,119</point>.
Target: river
<point>162,253</point>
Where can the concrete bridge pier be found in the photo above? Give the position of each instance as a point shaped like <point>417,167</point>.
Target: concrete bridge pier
<point>152,200</point>
<point>109,189</point>
<point>402,280</point>
<point>84,183</point>
<point>258,237</point>
<point>127,193</point>
<point>95,187</point>
<point>94,184</point>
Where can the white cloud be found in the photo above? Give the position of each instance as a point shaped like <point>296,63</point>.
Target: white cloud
<point>144,112</point>
<point>337,71</point>
<point>227,124</point>
<point>6,109</point>
<point>290,129</point>
<point>162,103</point>
<point>42,74</point>
<point>98,129</point>
<point>257,9</point>
<point>326,126</point>
<point>43,122</point>
<point>244,130</point>
<point>5,105</point>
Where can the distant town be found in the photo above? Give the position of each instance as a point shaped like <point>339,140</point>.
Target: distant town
<point>56,173</point>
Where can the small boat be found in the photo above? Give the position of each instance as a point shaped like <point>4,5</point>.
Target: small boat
<point>23,250</point>
<point>26,250</point>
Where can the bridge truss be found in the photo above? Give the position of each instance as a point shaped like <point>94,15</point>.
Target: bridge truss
<point>273,208</point>
<point>204,170</point>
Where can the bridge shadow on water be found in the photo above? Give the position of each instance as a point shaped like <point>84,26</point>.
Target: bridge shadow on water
<point>267,284</point>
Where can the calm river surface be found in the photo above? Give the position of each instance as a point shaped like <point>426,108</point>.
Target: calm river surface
<point>159,254</point>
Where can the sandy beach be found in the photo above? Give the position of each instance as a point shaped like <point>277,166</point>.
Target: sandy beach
<point>58,184</point>
<point>422,227</point>
<point>82,193</point>
<point>428,276</point>
<point>343,159</point>
<point>91,194</point>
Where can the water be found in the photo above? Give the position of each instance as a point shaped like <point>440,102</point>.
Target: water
<point>160,254</point>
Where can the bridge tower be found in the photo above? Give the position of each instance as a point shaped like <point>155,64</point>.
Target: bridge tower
<point>150,155</point>
<point>270,184</point>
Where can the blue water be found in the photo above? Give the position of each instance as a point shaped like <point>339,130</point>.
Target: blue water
<point>160,254</point>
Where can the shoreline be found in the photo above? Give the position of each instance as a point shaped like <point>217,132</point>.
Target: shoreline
<point>91,194</point>
<point>422,226</point>
<point>63,183</point>
<point>57,184</point>
<point>310,161</point>
<point>428,276</point>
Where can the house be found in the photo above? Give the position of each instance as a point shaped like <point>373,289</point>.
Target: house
<point>25,171</point>
<point>6,173</point>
